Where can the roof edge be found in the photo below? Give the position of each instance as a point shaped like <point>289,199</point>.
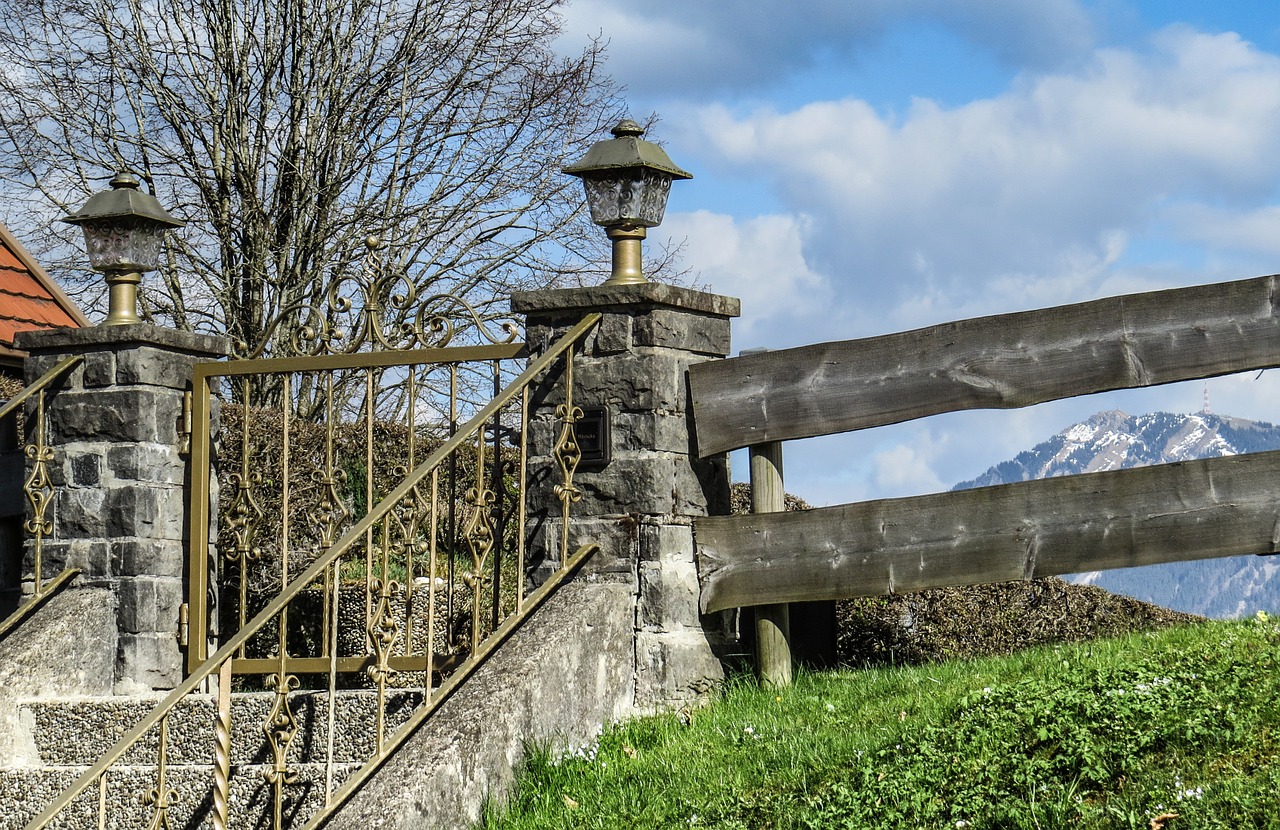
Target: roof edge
<point>41,276</point>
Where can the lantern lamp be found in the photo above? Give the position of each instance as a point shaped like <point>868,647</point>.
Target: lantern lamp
<point>123,228</point>
<point>627,180</point>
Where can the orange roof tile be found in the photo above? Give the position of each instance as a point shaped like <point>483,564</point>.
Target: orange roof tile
<point>29,299</point>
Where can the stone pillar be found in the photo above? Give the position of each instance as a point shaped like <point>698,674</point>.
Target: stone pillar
<point>119,475</point>
<point>640,505</point>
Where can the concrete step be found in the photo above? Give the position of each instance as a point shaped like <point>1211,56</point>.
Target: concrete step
<point>77,732</point>
<point>26,791</point>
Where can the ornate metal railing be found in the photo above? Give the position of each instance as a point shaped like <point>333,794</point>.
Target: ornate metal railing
<point>360,633</point>
<point>37,489</point>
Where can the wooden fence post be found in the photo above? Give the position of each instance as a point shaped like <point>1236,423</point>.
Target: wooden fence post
<point>773,622</point>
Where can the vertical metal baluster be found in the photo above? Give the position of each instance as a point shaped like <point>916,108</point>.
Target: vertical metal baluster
<point>411,531</point>
<point>567,453</point>
<point>499,525</point>
<point>382,635</point>
<point>368,505</point>
<point>286,412</point>
<point>222,750</point>
<point>452,551</point>
<point>431,583</point>
<point>522,497</point>
<point>244,512</point>
<point>102,801</point>
<point>332,513</point>
<point>483,506</point>
<point>332,637</point>
<point>478,534</point>
<point>244,547</point>
<point>39,492</point>
<point>280,728</point>
<point>161,797</point>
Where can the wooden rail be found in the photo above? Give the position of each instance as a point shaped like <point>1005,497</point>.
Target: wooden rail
<point>1001,362</point>
<point>1191,510</point>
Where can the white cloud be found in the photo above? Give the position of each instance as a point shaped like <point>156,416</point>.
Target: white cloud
<point>759,260</point>
<point>1095,172</point>
<point>1254,230</point>
<point>1029,198</point>
<point>694,50</point>
<point>907,469</point>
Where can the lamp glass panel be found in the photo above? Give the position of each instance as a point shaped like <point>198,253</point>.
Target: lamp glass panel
<point>123,246</point>
<point>636,196</point>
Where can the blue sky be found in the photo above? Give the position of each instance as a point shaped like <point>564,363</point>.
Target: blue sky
<point>866,167</point>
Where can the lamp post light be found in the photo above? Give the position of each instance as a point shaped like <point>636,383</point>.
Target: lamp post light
<point>627,180</point>
<point>122,231</point>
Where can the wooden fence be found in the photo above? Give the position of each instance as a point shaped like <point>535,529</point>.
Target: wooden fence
<point>1191,510</point>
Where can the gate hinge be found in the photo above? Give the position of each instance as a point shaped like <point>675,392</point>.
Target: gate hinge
<point>184,428</point>
<point>184,624</point>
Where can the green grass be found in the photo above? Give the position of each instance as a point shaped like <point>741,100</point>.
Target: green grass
<point>1109,734</point>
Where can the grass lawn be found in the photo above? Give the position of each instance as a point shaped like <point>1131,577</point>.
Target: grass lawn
<point>1171,730</point>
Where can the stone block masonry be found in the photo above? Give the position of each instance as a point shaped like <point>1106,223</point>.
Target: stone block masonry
<point>120,477</point>
<point>640,505</point>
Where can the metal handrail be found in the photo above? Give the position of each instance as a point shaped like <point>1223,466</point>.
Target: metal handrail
<point>43,591</point>
<point>487,647</point>
<point>61,368</point>
<point>353,535</point>
<point>37,600</point>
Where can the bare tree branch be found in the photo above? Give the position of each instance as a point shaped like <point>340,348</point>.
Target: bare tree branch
<point>286,133</point>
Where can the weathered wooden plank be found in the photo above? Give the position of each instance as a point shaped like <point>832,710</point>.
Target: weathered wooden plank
<point>1191,510</point>
<point>1001,362</point>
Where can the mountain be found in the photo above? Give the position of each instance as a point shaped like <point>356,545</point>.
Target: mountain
<point>1221,588</point>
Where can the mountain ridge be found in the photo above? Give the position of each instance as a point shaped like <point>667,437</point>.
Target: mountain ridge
<point>1111,440</point>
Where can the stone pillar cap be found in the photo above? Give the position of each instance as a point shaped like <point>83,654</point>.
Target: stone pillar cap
<point>137,334</point>
<point>597,297</point>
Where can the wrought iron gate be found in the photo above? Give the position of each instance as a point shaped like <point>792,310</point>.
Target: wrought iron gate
<point>440,574</point>
<point>372,537</point>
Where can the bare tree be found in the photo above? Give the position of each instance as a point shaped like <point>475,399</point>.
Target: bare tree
<point>288,132</point>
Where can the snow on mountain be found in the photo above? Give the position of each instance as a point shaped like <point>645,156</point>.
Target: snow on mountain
<point>1230,587</point>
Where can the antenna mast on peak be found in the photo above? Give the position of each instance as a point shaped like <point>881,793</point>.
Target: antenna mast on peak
<point>1204,410</point>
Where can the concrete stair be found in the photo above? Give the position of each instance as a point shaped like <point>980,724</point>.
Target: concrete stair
<point>66,737</point>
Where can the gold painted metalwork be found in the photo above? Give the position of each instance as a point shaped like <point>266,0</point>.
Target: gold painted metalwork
<point>478,533</point>
<point>122,297</point>
<point>383,630</point>
<point>161,798</point>
<point>245,514</point>
<point>568,454</point>
<point>38,491</point>
<point>280,728</point>
<point>385,311</point>
<point>332,513</point>
<point>44,593</point>
<point>486,648</point>
<point>627,260</point>
<point>222,751</point>
<point>381,521</point>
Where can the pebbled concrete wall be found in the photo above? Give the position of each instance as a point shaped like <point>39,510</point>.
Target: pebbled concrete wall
<point>66,648</point>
